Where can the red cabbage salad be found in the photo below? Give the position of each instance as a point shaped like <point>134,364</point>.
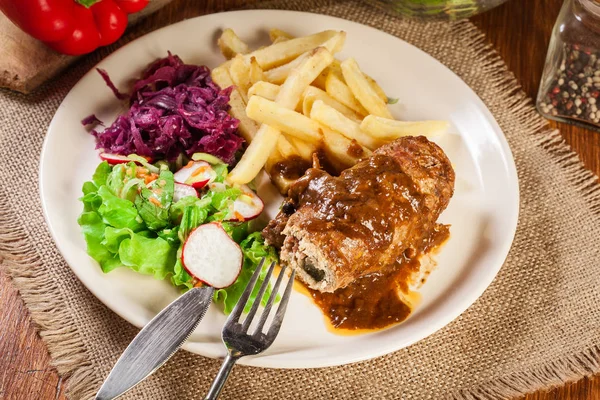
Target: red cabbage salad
<point>163,173</point>
<point>175,109</point>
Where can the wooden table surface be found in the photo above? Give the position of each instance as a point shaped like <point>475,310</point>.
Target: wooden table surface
<point>519,30</point>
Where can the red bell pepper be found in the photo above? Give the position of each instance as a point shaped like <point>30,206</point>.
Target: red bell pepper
<point>72,26</point>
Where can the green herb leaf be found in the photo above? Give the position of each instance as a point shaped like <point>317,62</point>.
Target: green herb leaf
<point>391,100</point>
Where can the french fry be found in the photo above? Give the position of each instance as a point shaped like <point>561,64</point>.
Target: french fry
<point>389,129</point>
<point>333,119</point>
<point>300,78</point>
<point>247,128</point>
<point>273,160</point>
<point>283,52</point>
<point>341,150</point>
<point>278,75</point>
<point>285,148</point>
<point>277,34</point>
<point>230,44</point>
<point>304,149</point>
<point>337,89</point>
<point>335,66</point>
<point>288,121</point>
<point>256,73</point>
<point>257,153</point>
<point>376,88</point>
<point>320,81</point>
<point>335,43</point>
<point>239,70</point>
<point>362,89</point>
<point>312,94</point>
<point>264,89</point>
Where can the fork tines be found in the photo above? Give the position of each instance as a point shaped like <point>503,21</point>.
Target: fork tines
<point>241,305</point>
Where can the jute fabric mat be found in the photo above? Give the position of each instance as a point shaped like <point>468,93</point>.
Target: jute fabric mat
<point>537,325</point>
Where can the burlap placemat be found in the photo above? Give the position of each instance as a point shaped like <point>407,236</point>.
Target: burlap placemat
<point>537,325</point>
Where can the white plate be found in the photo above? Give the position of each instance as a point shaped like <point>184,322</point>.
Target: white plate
<point>483,211</point>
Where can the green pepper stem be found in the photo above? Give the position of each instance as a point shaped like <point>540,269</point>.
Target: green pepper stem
<point>87,3</point>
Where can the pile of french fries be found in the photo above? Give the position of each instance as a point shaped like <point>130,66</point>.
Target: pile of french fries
<point>294,97</point>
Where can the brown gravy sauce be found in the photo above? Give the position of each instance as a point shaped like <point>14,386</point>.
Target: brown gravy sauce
<point>291,168</point>
<point>377,300</point>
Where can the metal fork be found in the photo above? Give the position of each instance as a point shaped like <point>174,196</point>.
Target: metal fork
<point>238,341</point>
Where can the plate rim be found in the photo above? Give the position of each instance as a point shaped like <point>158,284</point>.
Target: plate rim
<point>506,156</point>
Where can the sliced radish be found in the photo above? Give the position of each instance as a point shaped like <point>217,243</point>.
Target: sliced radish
<point>211,256</point>
<point>196,174</point>
<point>182,191</point>
<point>114,159</point>
<point>246,207</point>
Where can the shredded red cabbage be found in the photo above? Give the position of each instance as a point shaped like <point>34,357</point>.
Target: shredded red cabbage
<point>174,108</point>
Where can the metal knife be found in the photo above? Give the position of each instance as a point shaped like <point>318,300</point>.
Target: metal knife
<point>157,342</point>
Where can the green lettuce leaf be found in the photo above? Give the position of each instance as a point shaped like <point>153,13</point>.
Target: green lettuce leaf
<point>192,218</point>
<point>118,212</point>
<point>237,230</point>
<point>93,231</point>
<point>176,210</point>
<point>101,174</point>
<point>114,236</point>
<point>171,235</point>
<point>181,278</point>
<point>221,170</point>
<point>150,256</point>
<point>91,200</point>
<point>221,200</point>
<point>115,180</point>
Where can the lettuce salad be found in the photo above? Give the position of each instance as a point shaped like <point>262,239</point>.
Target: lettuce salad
<point>130,219</point>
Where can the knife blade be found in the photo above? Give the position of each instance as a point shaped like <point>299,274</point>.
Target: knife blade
<point>157,342</point>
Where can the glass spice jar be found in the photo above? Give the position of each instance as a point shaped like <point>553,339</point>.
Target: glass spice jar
<point>570,86</point>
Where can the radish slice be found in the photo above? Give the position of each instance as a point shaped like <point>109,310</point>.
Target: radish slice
<point>114,159</point>
<point>246,207</point>
<point>211,256</point>
<point>182,191</point>
<point>196,174</point>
